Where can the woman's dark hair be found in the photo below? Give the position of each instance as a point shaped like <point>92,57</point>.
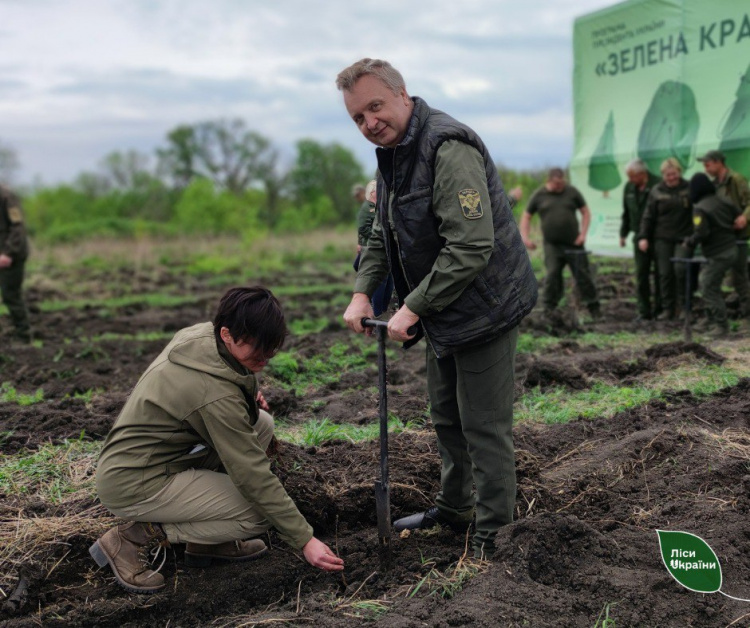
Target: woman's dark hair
<point>252,313</point>
<point>700,187</point>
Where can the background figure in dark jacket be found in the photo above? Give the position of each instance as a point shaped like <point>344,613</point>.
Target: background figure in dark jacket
<point>381,298</point>
<point>666,222</point>
<point>713,220</point>
<point>634,199</point>
<point>14,249</point>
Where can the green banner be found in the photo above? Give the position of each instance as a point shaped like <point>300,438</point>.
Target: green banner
<point>655,79</point>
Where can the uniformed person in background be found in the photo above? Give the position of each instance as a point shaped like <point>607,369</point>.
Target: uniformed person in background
<point>713,223</point>
<point>381,298</point>
<point>557,202</point>
<point>666,222</point>
<point>732,187</point>
<point>14,249</point>
<point>445,230</point>
<point>634,199</point>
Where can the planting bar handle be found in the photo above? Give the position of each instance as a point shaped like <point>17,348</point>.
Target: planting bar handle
<point>373,322</point>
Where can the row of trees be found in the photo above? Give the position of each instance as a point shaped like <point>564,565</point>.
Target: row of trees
<point>211,177</point>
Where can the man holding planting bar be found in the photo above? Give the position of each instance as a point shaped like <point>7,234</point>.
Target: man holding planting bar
<point>186,462</point>
<point>445,230</point>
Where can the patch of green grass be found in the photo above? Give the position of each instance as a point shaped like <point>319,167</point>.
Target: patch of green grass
<point>561,405</point>
<point>604,620</point>
<point>304,326</point>
<point>318,431</point>
<point>528,343</point>
<point>52,472</point>
<point>448,583</point>
<point>159,300</point>
<point>8,394</point>
<point>143,336</point>
<point>366,610</point>
<point>87,395</point>
<point>302,374</point>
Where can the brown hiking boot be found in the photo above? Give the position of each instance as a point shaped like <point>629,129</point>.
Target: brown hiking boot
<point>128,550</point>
<point>199,555</point>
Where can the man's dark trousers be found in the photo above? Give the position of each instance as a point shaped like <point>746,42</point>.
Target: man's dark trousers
<point>671,274</point>
<point>555,259</point>
<point>645,265</point>
<point>471,406</point>
<point>711,278</point>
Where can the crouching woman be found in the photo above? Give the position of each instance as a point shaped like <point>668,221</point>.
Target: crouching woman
<point>185,461</point>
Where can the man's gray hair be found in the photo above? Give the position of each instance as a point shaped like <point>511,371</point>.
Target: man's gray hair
<point>373,67</point>
<point>636,166</point>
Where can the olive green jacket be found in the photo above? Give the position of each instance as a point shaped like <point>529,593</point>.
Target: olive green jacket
<point>634,204</point>
<point>735,190</point>
<point>13,241</point>
<point>365,217</point>
<point>191,396</point>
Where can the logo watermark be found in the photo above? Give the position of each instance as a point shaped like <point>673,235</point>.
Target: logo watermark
<point>692,562</point>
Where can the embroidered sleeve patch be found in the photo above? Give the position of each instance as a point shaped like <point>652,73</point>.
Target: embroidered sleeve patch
<point>697,220</point>
<point>471,204</point>
<point>14,215</point>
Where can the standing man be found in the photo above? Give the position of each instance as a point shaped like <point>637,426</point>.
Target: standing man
<point>732,187</point>
<point>445,230</point>
<point>634,198</point>
<point>14,249</point>
<point>556,202</point>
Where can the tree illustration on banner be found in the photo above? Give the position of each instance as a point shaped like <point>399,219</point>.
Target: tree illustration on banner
<point>669,127</point>
<point>735,132</point>
<point>603,172</point>
<point>692,562</point>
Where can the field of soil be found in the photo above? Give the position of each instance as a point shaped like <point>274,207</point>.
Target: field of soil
<point>591,493</point>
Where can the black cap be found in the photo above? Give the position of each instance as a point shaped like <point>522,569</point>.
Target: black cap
<point>713,155</point>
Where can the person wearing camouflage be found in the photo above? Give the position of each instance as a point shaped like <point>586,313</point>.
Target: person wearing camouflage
<point>444,228</point>
<point>14,249</point>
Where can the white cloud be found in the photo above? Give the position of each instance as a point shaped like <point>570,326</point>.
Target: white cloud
<point>81,78</point>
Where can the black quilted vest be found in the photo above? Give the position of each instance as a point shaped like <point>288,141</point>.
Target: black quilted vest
<point>504,292</point>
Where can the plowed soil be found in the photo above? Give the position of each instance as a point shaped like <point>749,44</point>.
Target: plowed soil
<point>591,493</point>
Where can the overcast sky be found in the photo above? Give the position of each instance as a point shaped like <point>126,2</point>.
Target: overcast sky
<point>82,78</point>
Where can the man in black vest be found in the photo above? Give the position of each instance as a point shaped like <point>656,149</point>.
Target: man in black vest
<point>445,230</point>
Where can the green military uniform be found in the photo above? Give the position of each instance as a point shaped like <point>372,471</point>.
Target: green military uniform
<point>192,422</point>
<point>557,212</point>
<point>734,189</point>
<point>470,390</point>
<point>634,202</point>
<point>365,218</point>
<point>666,222</point>
<point>14,244</point>
<point>713,221</point>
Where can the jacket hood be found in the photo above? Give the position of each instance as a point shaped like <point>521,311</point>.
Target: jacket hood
<point>195,348</point>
